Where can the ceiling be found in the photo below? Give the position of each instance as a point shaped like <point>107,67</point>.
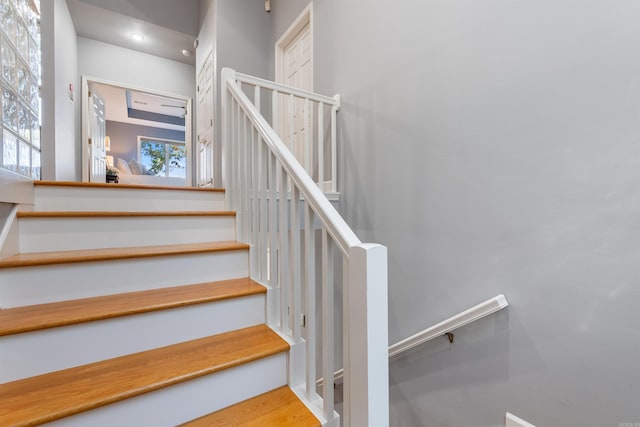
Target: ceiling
<point>109,26</point>
<point>117,104</point>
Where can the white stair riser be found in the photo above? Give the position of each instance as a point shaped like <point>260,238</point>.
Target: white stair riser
<point>51,283</point>
<point>183,402</point>
<point>124,199</point>
<point>34,353</point>
<point>60,234</point>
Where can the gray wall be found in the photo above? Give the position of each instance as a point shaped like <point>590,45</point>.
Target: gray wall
<point>60,116</point>
<point>240,43</point>
<point>124,138</point>
<point>180,16</point>
<point>130,67</point>
<point>494,148</point>
<point>206,32</point>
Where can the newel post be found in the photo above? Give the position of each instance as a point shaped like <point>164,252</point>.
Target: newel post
<point>366,341</point>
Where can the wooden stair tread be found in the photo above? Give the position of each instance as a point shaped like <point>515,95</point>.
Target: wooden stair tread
<point>58,394</point>
<point>90,255</point>
<point>117,214</point>
<point>42,316</point>
<point>279,407</point>
<point>122,186</point>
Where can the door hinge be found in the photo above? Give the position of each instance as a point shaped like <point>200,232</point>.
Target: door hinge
<point>89,94</point>
<point>303,320</point>
<point>211,122</point>
<point>90,141</point>
<point>198,88</point>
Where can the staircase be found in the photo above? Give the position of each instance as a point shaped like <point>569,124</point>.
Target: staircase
<point>132,306</point>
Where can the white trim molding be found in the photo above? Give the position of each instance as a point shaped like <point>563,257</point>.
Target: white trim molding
<point>15,188</point>
<point>305,17</point>
<point>188,124</point>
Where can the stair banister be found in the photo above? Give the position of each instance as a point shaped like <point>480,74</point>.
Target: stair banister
<point>272,191</point>
<point>336,226</point>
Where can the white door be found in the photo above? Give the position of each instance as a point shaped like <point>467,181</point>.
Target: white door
<point>297,72</point>
<point>205,123</point>
<point>97,133</point>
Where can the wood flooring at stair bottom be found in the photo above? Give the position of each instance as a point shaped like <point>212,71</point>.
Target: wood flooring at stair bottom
<point>48,397</point>
<point>279,407</point>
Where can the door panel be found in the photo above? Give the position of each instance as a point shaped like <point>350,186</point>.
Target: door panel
<point>205,123</point>
<point>97,133</point>
<point>297,72</point>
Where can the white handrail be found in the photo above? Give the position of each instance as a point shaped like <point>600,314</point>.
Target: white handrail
<point>472,314</point>
<point>336,226</point>
<point>313,145</point>
<point>289,90</point>
<point>454,322</point>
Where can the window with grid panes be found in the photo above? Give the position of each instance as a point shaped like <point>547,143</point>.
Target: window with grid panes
<point>20,63</point>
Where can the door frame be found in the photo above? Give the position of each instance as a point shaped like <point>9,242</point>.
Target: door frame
<point>188,123</point>
<point>199,116</point>
<point>305,17</point>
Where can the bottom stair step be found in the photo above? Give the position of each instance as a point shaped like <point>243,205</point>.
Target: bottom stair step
<point>279,407</point>
<point>52,396</point>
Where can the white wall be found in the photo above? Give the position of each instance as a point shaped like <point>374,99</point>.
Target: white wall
<point>60,116</point>
<point>238,31</point>
<point>206,32</point>
<point>125,66</point>
<point>180,16</point>
<point>117,64</point>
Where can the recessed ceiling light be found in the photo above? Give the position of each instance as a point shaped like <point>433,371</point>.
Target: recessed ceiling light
<point>137,37</point>
<point>186,52</point>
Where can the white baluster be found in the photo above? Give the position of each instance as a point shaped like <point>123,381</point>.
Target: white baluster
<point>308,148</point>
<point>334,138</point>
<point>291,113</point>
<point>327,326</point>
<point>275,111</point>
<point>283,253</point>
<point>295,298</point>
<point>264,180</point>
<point>256,97</point>
<point>310,303</point>
<point>321,145</point>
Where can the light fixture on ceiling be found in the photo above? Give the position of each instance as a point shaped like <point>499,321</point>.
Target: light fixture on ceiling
<point>186,52</point>
<point>137,37</point>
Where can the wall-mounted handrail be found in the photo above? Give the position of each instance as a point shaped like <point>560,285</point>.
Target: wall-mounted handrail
<point>440,329</point>
<point>454,322</point>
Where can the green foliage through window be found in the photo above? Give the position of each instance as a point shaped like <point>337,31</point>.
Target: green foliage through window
<point>163,158</point>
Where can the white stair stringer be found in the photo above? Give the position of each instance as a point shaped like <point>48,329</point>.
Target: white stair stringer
<point>183,402</point>
<point>34,353</point>
<point>47,234</point>
<point>22,286</point>
<point>116,198</point>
